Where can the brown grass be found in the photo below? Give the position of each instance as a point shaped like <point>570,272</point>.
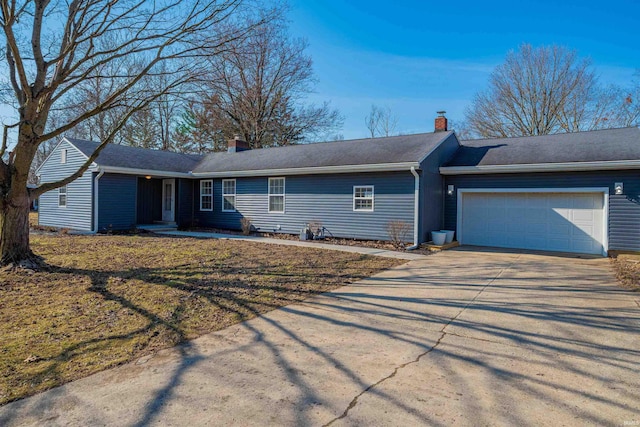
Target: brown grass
<point>106,300</point>
<point>33,219</point>
<point>627,268</point>
<point>33,225</point>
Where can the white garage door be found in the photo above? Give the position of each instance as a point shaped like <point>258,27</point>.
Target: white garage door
<point>566,222</point>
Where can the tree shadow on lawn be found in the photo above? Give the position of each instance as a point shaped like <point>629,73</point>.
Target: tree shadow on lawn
<point>232,300</point>
<point>442,316</point>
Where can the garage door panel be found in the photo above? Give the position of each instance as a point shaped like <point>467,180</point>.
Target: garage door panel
<point>537,227</point>
<point>515,227</point>
<point>559,245</point>
<point>516,213</point>
<point>559,229</point>
<point>583,215</point>
<point>518,202</point>
<point>534,242</point>
<point>567,222</point>
<point>539,212</point>
<point>584,231</point>
<point>584,202</point>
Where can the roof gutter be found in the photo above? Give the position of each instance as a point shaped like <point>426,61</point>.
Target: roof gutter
<point>151,172</point>
<point>380,167</point>
<point>416,209</point>
<point>541,167</point>
<point>97,205</point>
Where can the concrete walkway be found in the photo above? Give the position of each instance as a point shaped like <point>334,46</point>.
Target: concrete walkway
<point>463,337</point>
<point>409,256</point>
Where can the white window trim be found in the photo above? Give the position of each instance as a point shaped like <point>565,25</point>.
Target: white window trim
<point>235,190</point>
<point>284,196</point>
<point>372,198</point>
<point>210,181</point>
<point>66,196</point>
<point>63,156</point>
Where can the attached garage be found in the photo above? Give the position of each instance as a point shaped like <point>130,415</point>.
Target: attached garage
<point>573,192</point>
<point>565,220</point>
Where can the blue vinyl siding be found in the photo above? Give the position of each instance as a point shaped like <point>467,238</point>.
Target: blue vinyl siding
<point>624,210</point>
<point>78,214</point>
<point>117,201</point>
<point>317,198</point>
<point>432,186</point>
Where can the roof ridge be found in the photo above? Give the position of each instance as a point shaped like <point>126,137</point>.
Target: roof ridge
<point>549,134</point>
<point>155,150</point>
<point>342,141</point>
<point>379,138</point>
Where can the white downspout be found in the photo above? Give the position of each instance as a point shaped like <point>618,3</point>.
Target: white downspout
<point>416,210</point>
<point>97,206</point>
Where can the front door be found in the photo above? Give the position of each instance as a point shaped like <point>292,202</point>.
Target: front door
<point>168,200</point>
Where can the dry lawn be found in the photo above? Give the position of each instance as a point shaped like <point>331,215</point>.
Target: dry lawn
<point>105,300</point>
<point>33,219</point>
<point>33,224</point>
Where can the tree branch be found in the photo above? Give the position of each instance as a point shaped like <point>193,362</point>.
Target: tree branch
<point>43,188</point>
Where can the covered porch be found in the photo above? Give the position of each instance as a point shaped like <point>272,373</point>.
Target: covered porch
<point>156,202</point>
<point>125,202</point>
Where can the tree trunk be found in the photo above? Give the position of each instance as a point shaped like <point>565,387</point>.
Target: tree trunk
<point>14,230</point>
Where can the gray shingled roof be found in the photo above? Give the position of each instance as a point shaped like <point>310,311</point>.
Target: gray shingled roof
<point>594,146</point>
<point>123,156</point>
<point>394,149</point>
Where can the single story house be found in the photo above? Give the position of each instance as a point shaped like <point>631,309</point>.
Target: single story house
<point>575,192</point>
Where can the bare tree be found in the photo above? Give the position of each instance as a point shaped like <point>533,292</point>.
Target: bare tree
<point>372,120</point>
<point>151,127</point>
<point>381,121</point>
<point>257,89</point>
<point>538,91</point>
<point>142,129</point>
<point>626,101</point>
<point>55,49</point>
<point>167,110</point>
<point>461,128</point>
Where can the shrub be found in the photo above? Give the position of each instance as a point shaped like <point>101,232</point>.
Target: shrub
<point>246,225</point>
<point>397,231</point>
<point>315,226</point>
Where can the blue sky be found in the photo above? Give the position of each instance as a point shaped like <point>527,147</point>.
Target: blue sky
<point>418,57</point>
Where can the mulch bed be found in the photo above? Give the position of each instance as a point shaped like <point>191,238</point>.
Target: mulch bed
<point>627,268</point>
<point>376,244</point>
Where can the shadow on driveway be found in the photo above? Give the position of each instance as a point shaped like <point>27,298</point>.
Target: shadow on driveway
<point>468,337</point>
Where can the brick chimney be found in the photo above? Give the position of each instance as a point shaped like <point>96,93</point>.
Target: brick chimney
<point>441,122</point>
<point>236,145</point>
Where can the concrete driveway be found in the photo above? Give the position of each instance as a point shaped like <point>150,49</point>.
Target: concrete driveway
<point>465,337</point>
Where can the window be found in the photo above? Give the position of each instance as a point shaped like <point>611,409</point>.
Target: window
<point>276,195</point>
<point>63,156</point>
<point>62,196</point>
<point>206,195</point>
<point>168,196</point>
<point>363,198</point>
<point>228,195</point>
